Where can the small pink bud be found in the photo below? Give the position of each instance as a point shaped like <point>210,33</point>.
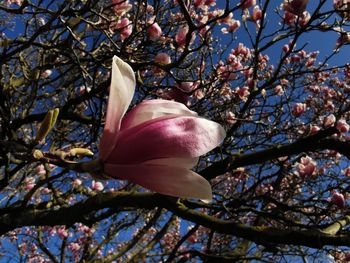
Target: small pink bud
<point>289,18</point>
<point>346,172</point>
<point>125,27</point>
<point>46,190</point>
<point>338,199</point>
<point>230,117</point>
<point>120,7</point>
<point>162,58</point>
<point>247,3</point>
<point>314,129</point>
<point>329,120</point>
<point>296,7</point>
<point>46,73</point>
<point>342,126</point>
<point>180,37</point>
<point>62,232</point>
<point>29,183</point>
<point>40,170</point>
<point>232,27</point>
<point>285,48</point>
<point>306,166</point>
<point>97,186</point>
<point>278,90</point>
<point>243,93</point>
<point>74,247</point>
<point>154,31</point>
<point>299,109</point>
<point>77,182</point>
<point>186,86</point>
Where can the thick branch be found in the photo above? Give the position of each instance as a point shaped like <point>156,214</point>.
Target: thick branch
<point>309,143</point>
<point>77,213</point>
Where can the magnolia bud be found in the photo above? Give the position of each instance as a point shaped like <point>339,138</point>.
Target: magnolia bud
<point>80,152</point>
<point>37,154</point>
<point>47,125</point>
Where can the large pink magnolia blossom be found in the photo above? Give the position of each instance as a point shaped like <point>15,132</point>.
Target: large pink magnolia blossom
<point>157,143</point>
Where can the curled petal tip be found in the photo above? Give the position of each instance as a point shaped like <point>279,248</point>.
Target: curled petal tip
<point>125,69</point>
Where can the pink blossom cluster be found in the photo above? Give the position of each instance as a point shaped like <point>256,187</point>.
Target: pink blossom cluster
<point>306,167</point>
<point>343,8</point>
<point>16,2</point>
<point>120,7</point>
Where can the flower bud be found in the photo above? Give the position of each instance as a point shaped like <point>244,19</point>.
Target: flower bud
<point>47,125</point>
<point>80,152</point>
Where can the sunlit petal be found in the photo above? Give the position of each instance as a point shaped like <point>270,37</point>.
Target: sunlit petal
<point>152,109</point>
<point>173,181</point>
<point>177,137</point>
<point>120,95</point>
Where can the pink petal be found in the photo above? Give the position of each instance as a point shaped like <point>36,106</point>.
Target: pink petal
<point>121,93</point>
<point>173,181</point>
<point>188,163</point>
<point>152,109</point>
<point>176,137</point>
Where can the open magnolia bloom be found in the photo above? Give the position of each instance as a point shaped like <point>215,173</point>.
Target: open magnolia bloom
<point>157,143</point>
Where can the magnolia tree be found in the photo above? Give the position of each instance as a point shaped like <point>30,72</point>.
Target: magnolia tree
<point>175,130</point>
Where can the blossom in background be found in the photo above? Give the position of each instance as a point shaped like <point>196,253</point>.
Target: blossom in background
<point>180,37</point>
<point>329,120</point>
<point>296,7</point>
<point>47,73</point>
<point>343,8</point>
<point>120,7</point>
<point>247,3</point>
<point>17,2</point>
<point>157,143</point>
<point>162,58</point>
<point>125,27</point>
<point>154,31</point>
<point>96,186</point>
<point>338,199</point>
<point>306,166</point>
<point>344,39</point>
<point>299,109</point>
<point>342,126</point>
<point>232,27</point>
<point>278,90</point>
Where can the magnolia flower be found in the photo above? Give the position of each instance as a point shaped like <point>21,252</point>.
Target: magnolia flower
<point>157,143</point>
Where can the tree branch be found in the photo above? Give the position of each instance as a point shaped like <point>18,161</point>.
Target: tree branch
<point>76,213</point>
<point>309,143</point>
